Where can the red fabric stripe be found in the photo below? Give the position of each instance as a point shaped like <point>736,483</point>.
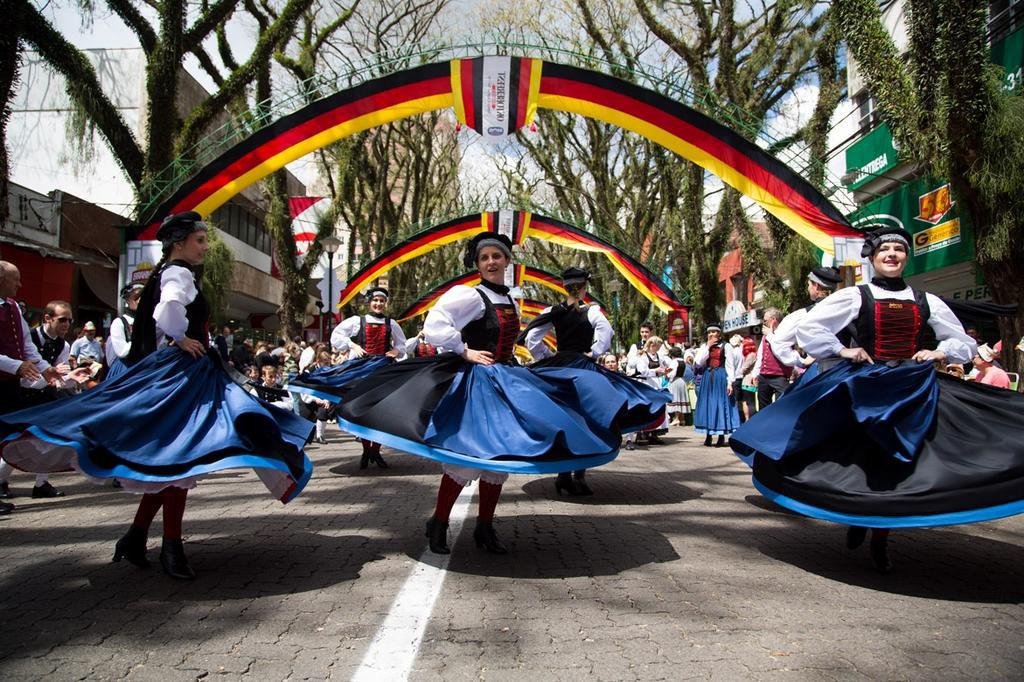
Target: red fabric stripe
<point>523,96</point>
<point>735,158</point>
<point>469,88</point>
<point>296,205</point>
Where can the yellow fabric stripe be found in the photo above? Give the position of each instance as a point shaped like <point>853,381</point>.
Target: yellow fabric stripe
<point>637,284</point>
<point>405,257</point>
<point>532,97</point>
<point>731,176</point>
<point>355,125</point>
<point>460,108</point>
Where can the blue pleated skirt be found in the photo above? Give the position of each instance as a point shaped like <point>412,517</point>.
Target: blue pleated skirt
<point>167,420</point>
<point>329,383</point>
<point>643,405</point>
<point>889,447</point>
<point>716,413</point>
<point>498,418</point>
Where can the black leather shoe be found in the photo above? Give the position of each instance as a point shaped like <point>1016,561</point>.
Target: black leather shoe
<point>485,537</point>
<point>880,554</point>
<point>174,561</point>
<point>653,439</point>
<point>855,536</point>
<point>5,490</point>
<point>437,533</point>
<point>707,441</point>
<point>364,461</point>
<point>720,443</point>
<point>6,508</point>
<point>45,490</point>
<point>564,482</point>
<point>132,547</point>
<point>379,461</point>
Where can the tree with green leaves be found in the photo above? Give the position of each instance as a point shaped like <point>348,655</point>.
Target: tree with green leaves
<point>948,114</point>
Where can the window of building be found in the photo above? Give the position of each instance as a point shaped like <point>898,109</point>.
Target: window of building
<point>866,111</point>
<point>1004,17</point>
<point>22,208</point>
<point>739,288</point>
<point>243,226</point>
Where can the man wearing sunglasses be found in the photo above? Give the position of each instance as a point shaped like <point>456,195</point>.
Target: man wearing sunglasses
<point>19,359</point>
<point>49,340</point>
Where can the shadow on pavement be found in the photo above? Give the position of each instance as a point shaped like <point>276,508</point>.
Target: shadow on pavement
<point>549,547</point>
<point>617,488</point>
<point>929,563</point>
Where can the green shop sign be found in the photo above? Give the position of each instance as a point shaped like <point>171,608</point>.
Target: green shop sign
<point>1009,53</point>
<point>870,156</point>
<point>929,212</point>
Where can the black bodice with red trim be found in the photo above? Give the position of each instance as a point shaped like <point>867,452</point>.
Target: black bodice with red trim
<point>496,330</point>
<point>374,337</point>
<point>892,329</point>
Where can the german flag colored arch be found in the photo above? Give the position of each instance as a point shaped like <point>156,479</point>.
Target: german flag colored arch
<point>521,274</point>
<point>517,226</point>
<point>495,95</point>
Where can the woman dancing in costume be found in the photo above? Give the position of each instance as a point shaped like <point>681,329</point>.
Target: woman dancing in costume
<point>119,342</point>
<point>878,441</point>
<point>371,341</point>
<point>476,413</point>
<point>716,413</point>
<point>583,334</point>
<point>174,416</point>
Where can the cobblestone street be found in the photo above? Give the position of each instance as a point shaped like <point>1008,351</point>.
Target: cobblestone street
<point>676,568</point>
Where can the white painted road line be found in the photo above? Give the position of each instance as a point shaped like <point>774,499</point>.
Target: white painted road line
<point>393,650</point>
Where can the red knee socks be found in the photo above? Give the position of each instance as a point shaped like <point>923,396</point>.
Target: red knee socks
<point>149,505</point>
<point>447,493</point>
<point>174,510</point>
<point>489,493</point>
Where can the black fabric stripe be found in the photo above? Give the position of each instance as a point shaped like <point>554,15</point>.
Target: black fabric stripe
<point>512,96</point>
<point>477,88</point>
<point>261,137</point>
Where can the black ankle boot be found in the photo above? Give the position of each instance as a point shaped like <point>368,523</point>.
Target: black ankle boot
<point>174,561</point>
<point>379,461</point>
<point>365,460</point>
<point>880,553</point>
<point>707,441</point>
<point>132,547</point>
<point>437,533</point>
<point>855,536</point>
<point>579,477</point>
<point>485,537</point>
<point>564,482</point>
<point>721,442</point>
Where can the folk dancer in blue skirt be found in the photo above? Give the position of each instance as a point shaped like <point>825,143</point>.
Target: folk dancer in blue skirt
<point>878,441</point>
<point>716,413</point>
<point>173,417</point>
<point>582,335</point>
<point>477,412</point>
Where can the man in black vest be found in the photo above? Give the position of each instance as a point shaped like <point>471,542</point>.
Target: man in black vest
<point>19,359</point>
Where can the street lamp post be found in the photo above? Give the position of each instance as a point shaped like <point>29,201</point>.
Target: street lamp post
<point>330,244</point>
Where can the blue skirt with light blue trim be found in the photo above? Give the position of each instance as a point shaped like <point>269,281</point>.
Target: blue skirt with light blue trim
<point>168,418</point>
<point>498,418</point>
<point>716,413</point>
<point>329,383</point>
<point>889,447</point>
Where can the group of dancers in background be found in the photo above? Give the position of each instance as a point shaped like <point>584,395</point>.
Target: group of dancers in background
<point>872,441</point>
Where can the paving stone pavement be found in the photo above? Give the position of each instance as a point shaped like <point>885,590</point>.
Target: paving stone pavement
<point>676,568</point>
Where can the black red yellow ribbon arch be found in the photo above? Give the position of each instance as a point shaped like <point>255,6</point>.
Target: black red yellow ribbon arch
<point>521,225</point>
<point>522,85</point>
<point>521,274</point>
